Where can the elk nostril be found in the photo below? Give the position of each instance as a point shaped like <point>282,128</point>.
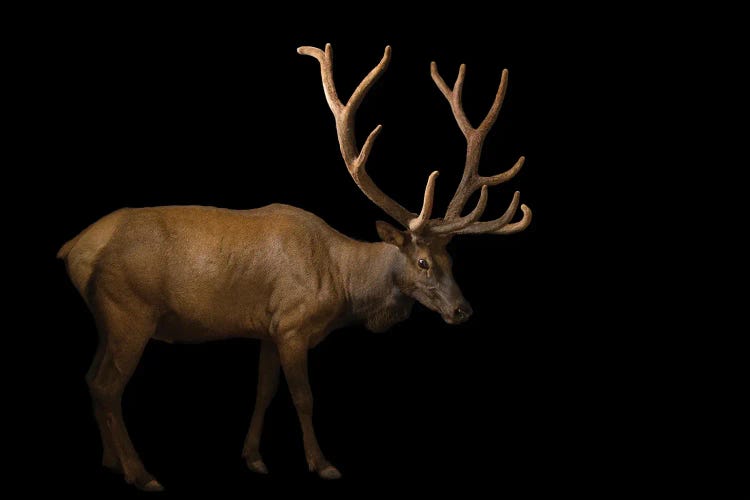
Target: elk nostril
<point>462,312</point>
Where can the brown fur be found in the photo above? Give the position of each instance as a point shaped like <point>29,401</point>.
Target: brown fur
<point>278,274</point>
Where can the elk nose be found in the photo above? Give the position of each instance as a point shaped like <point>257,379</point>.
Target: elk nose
<point>462,312</point>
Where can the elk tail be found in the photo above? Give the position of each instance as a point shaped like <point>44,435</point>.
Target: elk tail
<point>66,248</point>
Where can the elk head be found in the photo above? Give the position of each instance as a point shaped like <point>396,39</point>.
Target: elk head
<point>424,272</point>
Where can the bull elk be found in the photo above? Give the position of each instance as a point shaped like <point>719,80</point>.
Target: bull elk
<point>277,273</point>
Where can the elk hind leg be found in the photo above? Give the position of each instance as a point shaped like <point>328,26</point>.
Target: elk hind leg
<point>124,335</point>
<point>109,458</point>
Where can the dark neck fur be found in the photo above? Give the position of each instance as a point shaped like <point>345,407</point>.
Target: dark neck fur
<point>368,271</point>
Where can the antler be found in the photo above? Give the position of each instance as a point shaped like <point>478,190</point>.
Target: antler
<point>355,160</point>
<point>453,223</point>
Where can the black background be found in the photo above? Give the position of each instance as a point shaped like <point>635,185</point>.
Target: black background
<point>143,109</point>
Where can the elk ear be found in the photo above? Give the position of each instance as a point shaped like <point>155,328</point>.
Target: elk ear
<point>390,234</point>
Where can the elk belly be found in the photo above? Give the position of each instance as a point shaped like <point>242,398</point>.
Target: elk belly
<point>175,328</point>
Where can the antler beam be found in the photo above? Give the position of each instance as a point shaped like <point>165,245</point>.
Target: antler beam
<point>356,160</point>
<point>453,223</point>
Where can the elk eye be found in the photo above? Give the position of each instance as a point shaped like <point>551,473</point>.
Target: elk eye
<point>423,264</point>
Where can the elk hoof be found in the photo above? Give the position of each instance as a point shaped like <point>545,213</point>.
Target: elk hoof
<point>329,472</point>
<point>112,463</point>
<point>152,485</point>
<point>257,466</point>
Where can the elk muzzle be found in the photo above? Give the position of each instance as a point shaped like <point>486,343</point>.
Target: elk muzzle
<point>458,313</point>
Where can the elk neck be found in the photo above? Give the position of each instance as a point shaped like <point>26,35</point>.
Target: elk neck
<point>369,274</point>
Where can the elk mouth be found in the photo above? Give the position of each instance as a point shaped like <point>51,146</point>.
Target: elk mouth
<point>456,316</point>
<point>449,319</point>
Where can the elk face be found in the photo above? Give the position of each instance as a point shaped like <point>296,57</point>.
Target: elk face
<point>425,273</point>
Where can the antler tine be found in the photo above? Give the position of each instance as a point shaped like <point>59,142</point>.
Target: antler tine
<point>355,160</point>
<point>494,225</point>
<point>519,226</point>
<point>454,96</point>
<point>326,73</point>
<point>418,225</point>
<point>494,111</point>
<point>460,223</point>
<point>496,179</point>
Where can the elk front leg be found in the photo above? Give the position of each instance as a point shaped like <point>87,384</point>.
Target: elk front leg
<point>293,355</point>
<point>268,382</point>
